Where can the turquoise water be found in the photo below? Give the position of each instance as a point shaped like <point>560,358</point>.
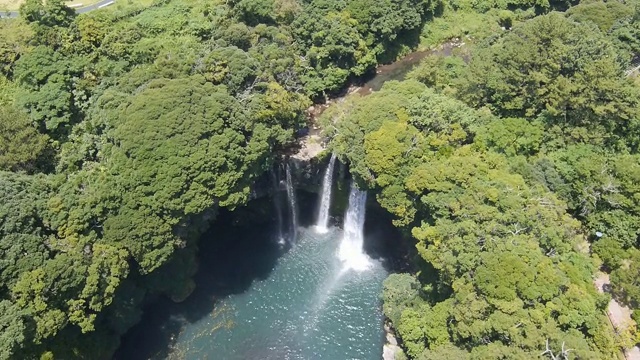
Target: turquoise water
<point>308,307</point>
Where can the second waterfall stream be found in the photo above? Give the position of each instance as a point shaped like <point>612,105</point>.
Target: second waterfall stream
<point>293,206</point>
<point>351,250</point>
<point>322,225</point>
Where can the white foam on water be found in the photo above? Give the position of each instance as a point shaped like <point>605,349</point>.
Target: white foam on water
<point>351,250</point>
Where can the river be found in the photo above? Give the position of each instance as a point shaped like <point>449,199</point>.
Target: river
<point>397,70</point>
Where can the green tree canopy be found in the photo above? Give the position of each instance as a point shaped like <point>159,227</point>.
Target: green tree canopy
<point>509,272</point>
<point>20,142</point>
<point>568,74</point>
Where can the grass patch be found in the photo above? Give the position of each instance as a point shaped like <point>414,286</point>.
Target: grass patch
<point>463,25</point>
<point>10,4</point>
<point>14,5</point>
<point>469,25</point>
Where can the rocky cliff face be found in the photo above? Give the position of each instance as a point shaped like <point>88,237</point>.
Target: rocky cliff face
<point>307,160</point>
<point>306,174</point>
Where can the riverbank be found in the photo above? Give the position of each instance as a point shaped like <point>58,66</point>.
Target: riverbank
<point>312,143</point>
<point>391,349</point>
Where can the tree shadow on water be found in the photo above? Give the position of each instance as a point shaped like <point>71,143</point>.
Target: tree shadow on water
<point>231,257</point>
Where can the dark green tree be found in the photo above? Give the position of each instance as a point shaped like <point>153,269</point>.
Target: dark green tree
<point>567,73</point>
<point>20,142</point>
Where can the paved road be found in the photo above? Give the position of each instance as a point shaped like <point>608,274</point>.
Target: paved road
<point>82,10</point>
<point>9,14</point>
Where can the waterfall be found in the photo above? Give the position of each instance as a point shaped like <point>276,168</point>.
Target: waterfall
<point>351,250</point>
<point>293,207</point>
<point>277,204</point>
<point>325,200</point>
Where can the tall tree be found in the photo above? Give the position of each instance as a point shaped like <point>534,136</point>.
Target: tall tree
<point>20,142</point>
<point>566,73</point>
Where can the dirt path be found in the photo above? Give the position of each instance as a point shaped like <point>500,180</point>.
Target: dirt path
<point>619,315</point>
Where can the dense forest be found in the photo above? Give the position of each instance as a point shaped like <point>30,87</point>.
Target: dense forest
<point>513,163</point>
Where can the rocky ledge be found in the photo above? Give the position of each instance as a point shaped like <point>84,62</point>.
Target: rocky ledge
<point>391,350</point>
<point>310,147</point>
<point>306,166</point>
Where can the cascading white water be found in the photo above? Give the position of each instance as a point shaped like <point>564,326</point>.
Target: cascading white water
<point>351,250</point>
<point>277,202</point>
<point>293,206</point>
<point>325,200</point>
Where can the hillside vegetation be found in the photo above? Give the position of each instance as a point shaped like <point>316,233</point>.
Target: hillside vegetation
<point>124,131</point>
<point>515,167</point>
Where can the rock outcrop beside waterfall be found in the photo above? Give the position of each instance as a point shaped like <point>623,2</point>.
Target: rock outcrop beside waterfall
<point>306,174</point>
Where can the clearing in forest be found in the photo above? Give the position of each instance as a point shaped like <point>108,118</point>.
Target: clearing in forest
<point>12,5</point>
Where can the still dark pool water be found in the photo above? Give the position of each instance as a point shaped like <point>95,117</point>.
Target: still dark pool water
<point>306,307</point>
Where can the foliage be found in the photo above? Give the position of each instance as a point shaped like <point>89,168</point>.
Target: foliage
<point>341,39</point>
<point>47,79</point>
<point>400,292</point>
<point>468,26</point>
<point>626,34</point>
<point>476,191</point>
<point>559,71</point>
<point>49,14</point>
<point>603,14</point>
<point>625,279</point>
<point>13,44</point>
<point>512,136</point>
<point>124,131</point>
<point>601,190</point>
<point>20,142</point>
<point>439,72</point>
<point>12,330</point>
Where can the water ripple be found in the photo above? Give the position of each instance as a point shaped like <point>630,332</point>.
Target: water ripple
<point>308,308</point>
